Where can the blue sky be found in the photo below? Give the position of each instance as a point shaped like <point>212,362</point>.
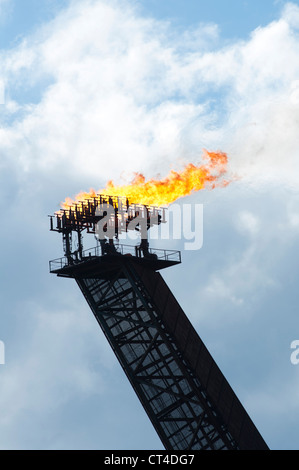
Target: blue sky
<point>236,19</point>
<point>96,90</point>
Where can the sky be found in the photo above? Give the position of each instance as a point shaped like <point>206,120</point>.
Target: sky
<point>94,90</point>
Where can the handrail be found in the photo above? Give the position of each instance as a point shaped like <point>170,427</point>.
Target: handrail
<point>125,250</point>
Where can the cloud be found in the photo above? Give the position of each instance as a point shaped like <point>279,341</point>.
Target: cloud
<point>51,363</point>
<point>101,92</point>
<point>118,94</point>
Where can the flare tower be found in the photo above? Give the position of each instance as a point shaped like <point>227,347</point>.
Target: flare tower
<point>185,395</point>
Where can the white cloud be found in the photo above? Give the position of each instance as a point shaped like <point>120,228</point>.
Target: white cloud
<point>2,92</point>
<point>248,223</point>
<point>291,14</point>
<point>5,8</point>
<point>238,283</point>
<point>100,92</point>
<point>123,96</point>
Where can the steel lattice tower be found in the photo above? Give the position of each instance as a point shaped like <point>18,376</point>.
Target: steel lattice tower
<point>185,395</point>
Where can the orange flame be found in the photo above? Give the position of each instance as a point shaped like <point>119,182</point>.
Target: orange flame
<point>164,192</point>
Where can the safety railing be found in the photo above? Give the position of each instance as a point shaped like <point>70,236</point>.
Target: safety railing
<point>120,249</point>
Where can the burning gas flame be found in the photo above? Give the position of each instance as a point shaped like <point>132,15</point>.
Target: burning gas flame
<point>164,192</point>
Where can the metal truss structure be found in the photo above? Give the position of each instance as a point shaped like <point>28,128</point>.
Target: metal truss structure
<point>169,391</point>
<point>184,393</point>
